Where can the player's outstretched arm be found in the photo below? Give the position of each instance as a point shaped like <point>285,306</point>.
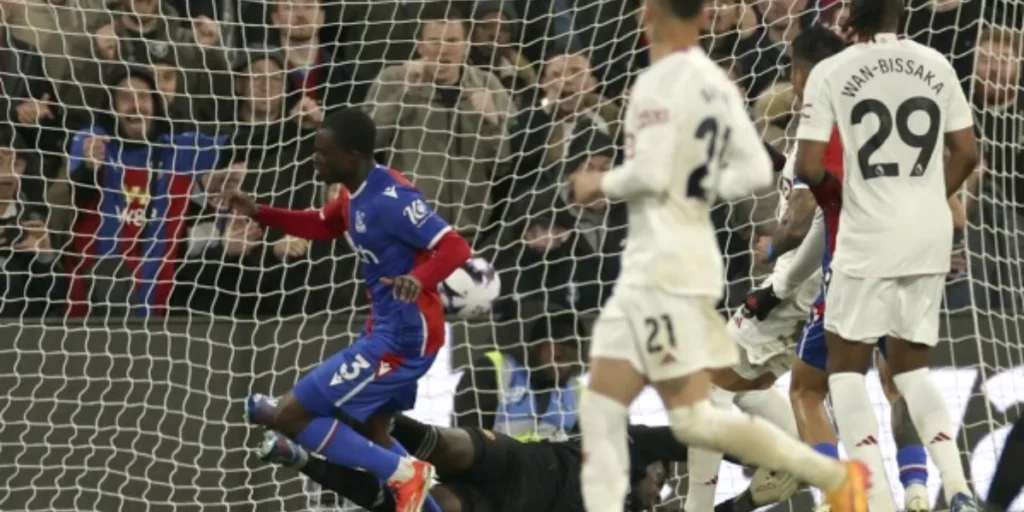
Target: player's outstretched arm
<point>806,260</point>
<point>325,224</point>
<point>794,225</point>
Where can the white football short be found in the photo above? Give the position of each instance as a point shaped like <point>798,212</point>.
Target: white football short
<point>768,346</point>
<point>663,335</point>
<point>865,309</point>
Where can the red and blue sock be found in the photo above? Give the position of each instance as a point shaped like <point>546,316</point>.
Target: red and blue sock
<point>341,445</point>
<point>913,463</point>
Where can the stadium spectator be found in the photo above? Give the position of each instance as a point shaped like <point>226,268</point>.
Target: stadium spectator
<point>599,228</point>
<point>131,183</point>
<point>31,282</point>
<point>221,267</point>
<point>443,121</point>
<point>730,30</point>
<point>529,391</point>
<point>570,108</point>
<point>780,22</point>
<point>273,141</point>
<point>553,252</point>
<point>148,30</point>
<point>609,31</point>
<point>28,94</point>
<point>999,106</point>
<point>323,84</point>
<point>492,50</point>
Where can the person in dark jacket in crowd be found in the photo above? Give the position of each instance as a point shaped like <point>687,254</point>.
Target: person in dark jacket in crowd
<point>493,25</point>
<point>31,281</point>
<point>252,270</point>
<point>529,391</point>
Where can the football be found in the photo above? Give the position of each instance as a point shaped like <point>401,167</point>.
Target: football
<point>470,291</point>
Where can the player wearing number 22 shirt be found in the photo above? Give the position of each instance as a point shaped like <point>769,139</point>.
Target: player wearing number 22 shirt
<point>405,250</point>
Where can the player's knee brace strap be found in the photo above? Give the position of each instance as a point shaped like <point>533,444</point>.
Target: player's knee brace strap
<point>693,424</point>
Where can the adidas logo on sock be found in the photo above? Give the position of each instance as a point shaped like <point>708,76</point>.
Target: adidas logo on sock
<point>867,441</point>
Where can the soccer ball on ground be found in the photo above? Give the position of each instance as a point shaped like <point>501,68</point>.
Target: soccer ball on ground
<point>470,291</point>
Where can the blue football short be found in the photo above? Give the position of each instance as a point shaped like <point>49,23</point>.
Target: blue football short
<point>362,380</point>
<point>812,348</point>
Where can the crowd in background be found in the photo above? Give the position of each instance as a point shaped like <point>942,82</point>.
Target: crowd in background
<point>124,120</point>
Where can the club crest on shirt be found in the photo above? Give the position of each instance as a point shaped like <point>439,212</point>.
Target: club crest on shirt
<point>360,222</point>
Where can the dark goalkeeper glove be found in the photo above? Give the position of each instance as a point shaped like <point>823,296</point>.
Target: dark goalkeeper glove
<point>760,302</point>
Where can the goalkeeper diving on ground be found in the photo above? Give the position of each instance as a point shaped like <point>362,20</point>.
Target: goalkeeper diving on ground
<point>485,471</point>
<point>405,250</point>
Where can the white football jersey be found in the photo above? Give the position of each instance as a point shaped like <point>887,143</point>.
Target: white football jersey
<point>688,141</point>
<point>893,100</point>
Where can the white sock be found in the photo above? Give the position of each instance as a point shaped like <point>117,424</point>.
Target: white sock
<point>770,405</point>
<point>605,474</point>
<point>702,465</point>
<point>755,441</point>
<point>858,431</point>
<point>931,419</point>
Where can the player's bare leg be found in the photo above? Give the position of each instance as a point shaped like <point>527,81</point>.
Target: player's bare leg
<point>755,441</point>
<point>910,453</point>
<point>753,396</point>
<point>908,363</point>
<point>808,388</point>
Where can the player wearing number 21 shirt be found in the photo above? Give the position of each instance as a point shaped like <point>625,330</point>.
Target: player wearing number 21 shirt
<point>405,250</point>
<point>689,141</point>
<point>895,103</point>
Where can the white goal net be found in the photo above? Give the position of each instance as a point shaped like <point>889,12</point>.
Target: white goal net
<point>137,315</point>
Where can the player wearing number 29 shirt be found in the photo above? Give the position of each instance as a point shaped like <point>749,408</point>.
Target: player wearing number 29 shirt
<point>405,250</point>
<point>896,104</point>
<point>688,142</point>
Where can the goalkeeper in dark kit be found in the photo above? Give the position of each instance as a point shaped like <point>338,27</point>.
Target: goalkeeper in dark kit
<point>483,471</point>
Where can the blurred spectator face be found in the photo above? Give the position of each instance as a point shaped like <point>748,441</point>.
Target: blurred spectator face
<point>141,7</point>
<point>543,238</point>
<point>996,70</point>
<point>567,78</point>
<point>11,168</point>
<point>490,34</point>
<point>105,42</point>
<point>560,359</point>
<point>722,16</point>
<point>264,85</point>
<point>443,47</point>
<point>783,11</point>
<point>133,107</point>
<point>298,20</point>
<point>166,80</point>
